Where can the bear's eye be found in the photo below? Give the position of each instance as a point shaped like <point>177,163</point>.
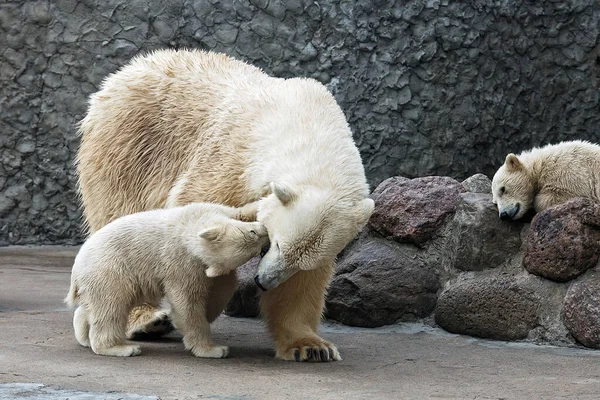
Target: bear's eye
<point>502,190</point>
<point>253,232</point>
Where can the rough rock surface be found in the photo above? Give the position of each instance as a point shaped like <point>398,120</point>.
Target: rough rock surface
<point>496,307</point>
<point>478,183</point>
<point>378,283</point>
<point>412,211</point>
<point>478,238</point>
<point>433,87</point>
<point>564,240</point>
<point>582,311</point>
<point>245,300</point>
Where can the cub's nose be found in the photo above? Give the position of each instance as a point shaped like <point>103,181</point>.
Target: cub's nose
<point>504,215</point>
<point>265,249</point>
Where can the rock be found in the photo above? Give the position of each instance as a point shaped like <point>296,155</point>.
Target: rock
<point>245,300</point>
<point>563,241</point>
<point>582,311</point>
<point>478,183</point>
<point>492,307</point>
<point>378,283</point>
<point>413,210</point>
<point>478,238</point>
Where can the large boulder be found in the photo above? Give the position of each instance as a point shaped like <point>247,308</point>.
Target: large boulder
<point>582,311</point>
<point>245,300</point>
<point>497,307</point>
<point>379,282</point>
<point>564,240</point>
<point>414,210</point>
<point>478,239</point>
<point>478,183</point>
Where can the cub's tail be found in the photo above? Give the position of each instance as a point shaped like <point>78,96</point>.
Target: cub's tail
<point>72,298</point>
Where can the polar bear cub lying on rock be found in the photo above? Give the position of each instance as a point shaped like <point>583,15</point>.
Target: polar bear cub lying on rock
<point>546,176</point>
<point>143,257</point>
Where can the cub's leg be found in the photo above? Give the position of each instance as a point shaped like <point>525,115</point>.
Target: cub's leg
<point>189,315</point>
<point>81,326</point>
<point>107,329</point>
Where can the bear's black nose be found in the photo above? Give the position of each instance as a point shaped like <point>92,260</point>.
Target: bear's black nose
<point>504,215</point>
<point>257,281</point>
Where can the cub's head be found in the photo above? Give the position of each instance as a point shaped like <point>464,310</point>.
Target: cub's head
<point>228,243</point>
<point>307,229</point>
<point>513,189</point>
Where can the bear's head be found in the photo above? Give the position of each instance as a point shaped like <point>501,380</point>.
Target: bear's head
<point>513,188</point>
<point>228,243</point>
<point>308,227</point>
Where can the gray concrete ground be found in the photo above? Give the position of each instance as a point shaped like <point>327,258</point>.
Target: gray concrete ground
<point>40,359</point>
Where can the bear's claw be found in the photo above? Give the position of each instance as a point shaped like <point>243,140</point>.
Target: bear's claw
<point>323,352</point>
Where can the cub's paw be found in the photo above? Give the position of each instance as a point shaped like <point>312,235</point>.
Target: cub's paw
<point>119,351</point>
<point>310,349</point>
<point>211,352</point>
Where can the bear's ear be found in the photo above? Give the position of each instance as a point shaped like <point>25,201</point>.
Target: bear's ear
<point>211,233</point>
<point>512,163</point>
<point>283,193</point>
<point>364,209</point>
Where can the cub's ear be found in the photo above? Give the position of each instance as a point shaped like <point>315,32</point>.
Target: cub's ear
<point>364,209</point>
<point>211,233</point>
<point>283,193</point>
<point>513,163</point>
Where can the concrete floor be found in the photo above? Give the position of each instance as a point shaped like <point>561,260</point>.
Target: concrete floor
<point>38,351</point>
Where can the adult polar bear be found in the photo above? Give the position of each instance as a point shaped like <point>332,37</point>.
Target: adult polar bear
<point>175,127</point>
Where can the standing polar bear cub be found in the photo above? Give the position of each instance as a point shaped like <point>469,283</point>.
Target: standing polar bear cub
<point>142,257</point>
<point>546,176</point>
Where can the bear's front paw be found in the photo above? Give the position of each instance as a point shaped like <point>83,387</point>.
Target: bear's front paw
<point>211,352</point>
<point>317,350</point>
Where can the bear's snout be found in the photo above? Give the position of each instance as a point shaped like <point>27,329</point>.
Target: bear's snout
<point>511,212</point>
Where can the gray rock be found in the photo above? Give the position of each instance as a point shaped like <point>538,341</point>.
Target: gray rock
<point>413,211</point>
<point>582,311</point>
<point>245,300</point>
<point>478,238</point>
<point>378,283</point>
<point>496,307</point>
<point>478,183</point>
<point>564,240</point>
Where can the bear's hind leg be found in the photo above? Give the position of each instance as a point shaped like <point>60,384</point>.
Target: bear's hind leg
<point>81,326</point>
<point>107,332</point>
<point>292,312</point>
<point>147,321</point>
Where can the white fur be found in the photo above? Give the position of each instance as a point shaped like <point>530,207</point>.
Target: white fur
<point>547,176</point>
<point>142,257</point>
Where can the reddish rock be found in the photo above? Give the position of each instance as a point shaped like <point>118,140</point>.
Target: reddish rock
<point>582,311</point>
<point>564,240</point>
<point>413,210</point>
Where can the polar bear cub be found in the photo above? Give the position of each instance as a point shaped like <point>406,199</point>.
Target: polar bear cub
<point>143,257</point>
<point>546,176</point>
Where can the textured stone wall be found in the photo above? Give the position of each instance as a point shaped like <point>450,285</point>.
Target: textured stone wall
<point>429,87</point>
